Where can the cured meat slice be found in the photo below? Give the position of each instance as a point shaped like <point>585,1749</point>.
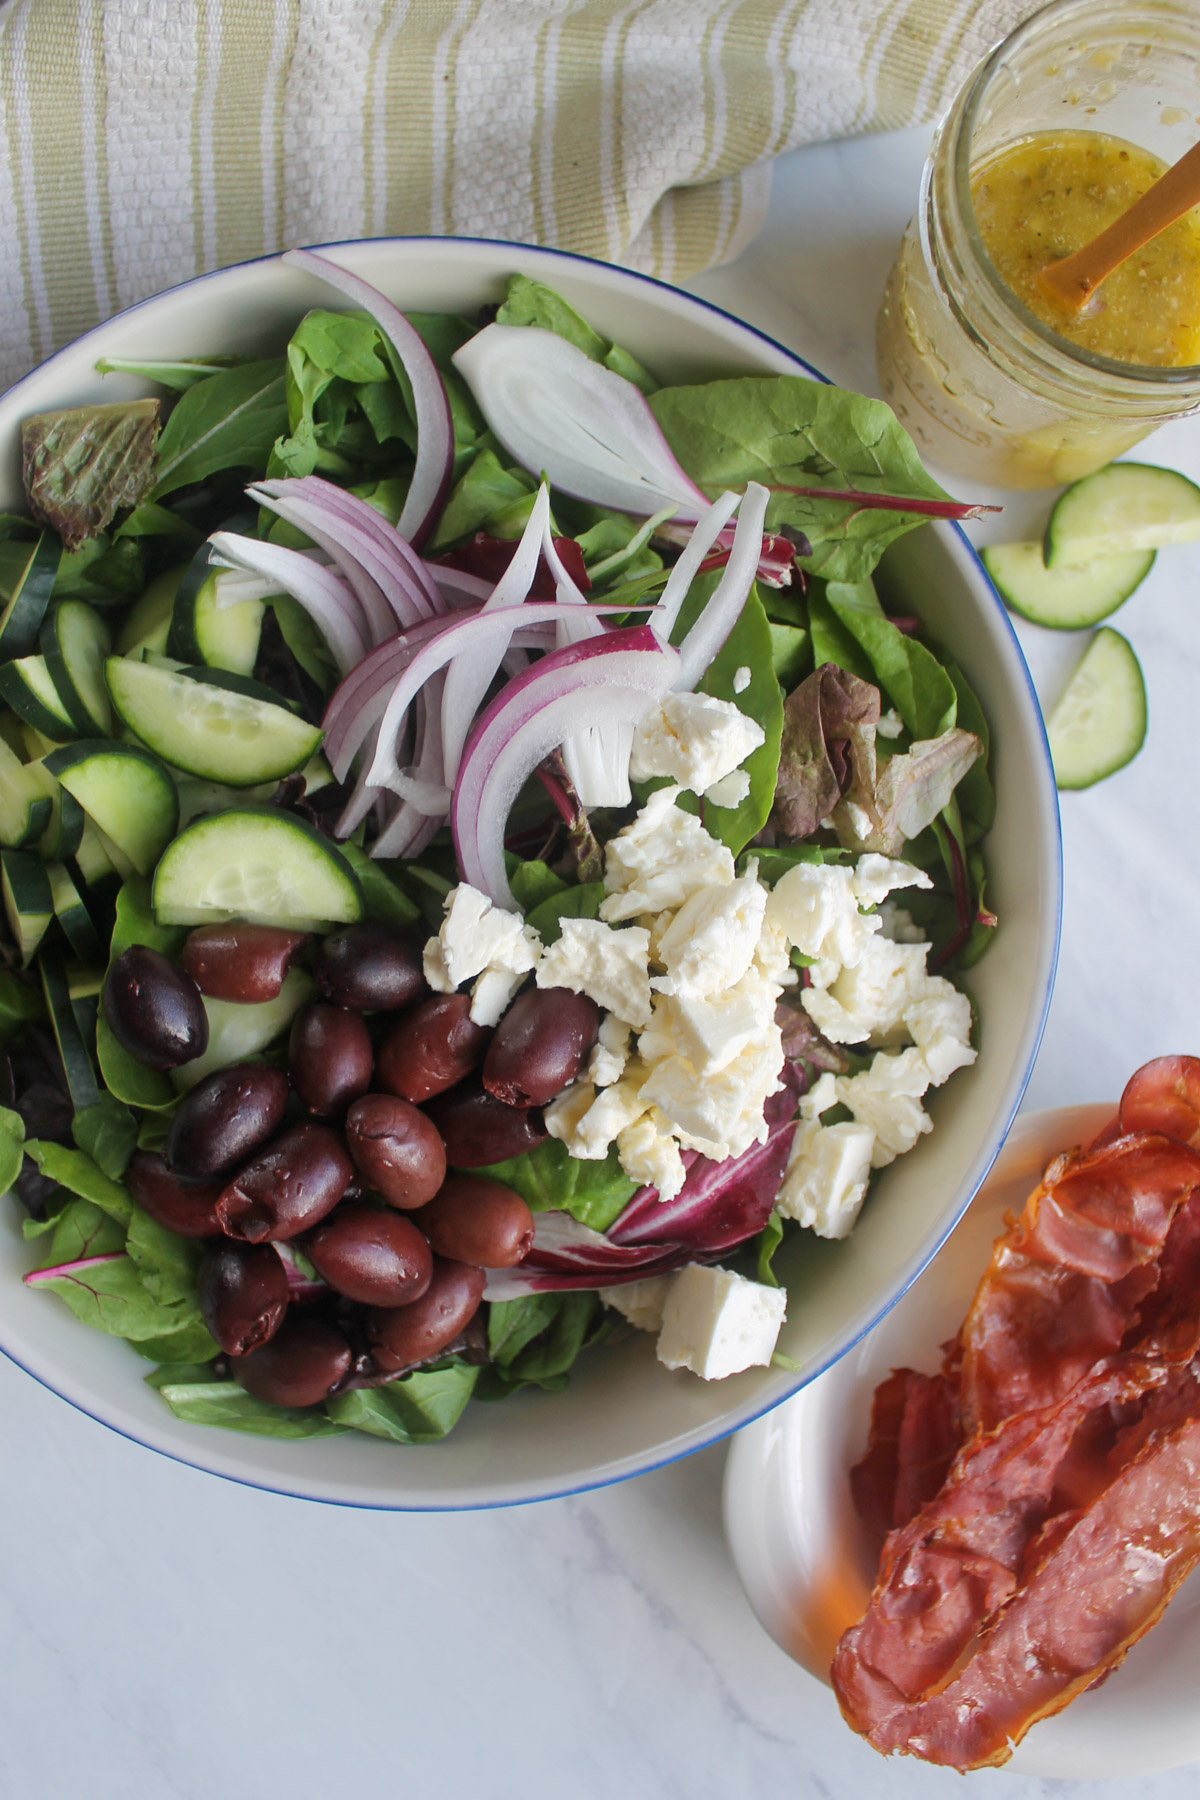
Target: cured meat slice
<point>914,1438</point>
<point>1068,1278</point>
<point>1164,1095</point>
<point>1102,1579</point>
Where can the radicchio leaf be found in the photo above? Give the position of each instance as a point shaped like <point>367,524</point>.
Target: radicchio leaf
<point>821,720</point>
<point>82,465</point>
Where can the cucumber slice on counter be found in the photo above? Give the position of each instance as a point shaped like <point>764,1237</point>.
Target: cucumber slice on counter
<point>29,688</point>
<point>25,804</point>
<point>149,621</point>
<point>28,902</point>
<point>1064,599</point>
<point>75,641</point>
<point>1124,507</point>
<point>267,867</point>
<point>74,917</point>
<point>126,792</point>
<point>21,619</point>
<point>211,729</point>
<point>1099,723</point>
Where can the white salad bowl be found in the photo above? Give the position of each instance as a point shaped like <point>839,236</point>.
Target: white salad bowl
<point>624,1412</point>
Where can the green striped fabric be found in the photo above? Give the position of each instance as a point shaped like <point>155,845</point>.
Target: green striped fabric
<point>146,141</point>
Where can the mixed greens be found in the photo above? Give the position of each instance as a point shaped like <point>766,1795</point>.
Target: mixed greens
<point>178,666</point>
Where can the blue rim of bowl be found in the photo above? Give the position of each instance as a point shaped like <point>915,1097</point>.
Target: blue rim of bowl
<point>986,1158</point>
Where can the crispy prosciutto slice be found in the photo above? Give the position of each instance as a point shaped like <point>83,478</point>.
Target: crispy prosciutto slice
<point>1164,1095</point>
<point>914,1436</point>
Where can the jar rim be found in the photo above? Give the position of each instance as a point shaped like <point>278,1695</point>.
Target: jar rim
<point>1137,375</point>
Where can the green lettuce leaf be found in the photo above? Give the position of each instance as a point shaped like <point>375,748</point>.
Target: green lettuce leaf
<point>109,1293</point>
<point>12,1147</point>
<point>417,1409</point>
<point>77,1172</point>
<point>107,1132</point>
<point>529,303</point>
<point>382,899</point>
<point>579,902</point>
<point>227,421</point>
<point>910,675</point>
<point>543,1358</point>
<point>82,465</point>
<point>77,1230</point>
<point>549,1178</point>
<point>225,1403</point>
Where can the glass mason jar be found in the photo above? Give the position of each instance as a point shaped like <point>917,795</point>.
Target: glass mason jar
<point>985,388</point>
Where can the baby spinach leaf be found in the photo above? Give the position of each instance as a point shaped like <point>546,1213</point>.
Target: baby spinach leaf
<point>227,421</point>
<point>180,373</point>
<point>107,1291</point>
<point>529,303</point>
<point>136,924</point>
<point>82,465</point>
<point>191,1344</point>
<point>382,899</point>
<point>975,794</point>
<point>152,520</point>
<point>107,1132</point>
<point>481,499</point>
<point>549,1178</point>
<point>12,1152</point>
<point>910,675</point>
<point>303,639</point>
<point>80,1229</point>
<point>416,1409</point>
<point>225,1403</point>
<point>545,1361</point>
<point>786,429</point>
<point>532,882</point>
<point>167,1263</point>
<point>514,1323</point>
<point>581,902</point>
<point>791,654</point>
<point>77,1172</point>
<point>831,642</point>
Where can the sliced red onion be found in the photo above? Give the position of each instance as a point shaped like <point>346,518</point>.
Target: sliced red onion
<point>724,608</point>
<point>435,429</point>
<point>776,559</point>
<point>328,600</point>
<point>233,587</point>
<point>457,586</point>
<point>387,599</point>
<point>701,540</point>
<point>363,796</point>
<point>607,682</point>
<point>357,703</point>
<point>587,429</point>
<point>400,562</point>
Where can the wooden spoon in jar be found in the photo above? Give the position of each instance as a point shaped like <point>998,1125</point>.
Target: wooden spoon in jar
<point>1072,280</point>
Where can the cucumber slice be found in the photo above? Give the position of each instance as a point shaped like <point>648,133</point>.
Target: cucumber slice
<point>64,833</point>
<point>1126,506</point>
<point>75,641</point>
<point>29,688</point>
<point>26,606</point>
<point>77,1064</point>
<point>28,903</point>
<point>205,728</point>
<point>91,858</point>
<point>25,804</point>
<point>1099,724</point>
<point>204,631</point>
<point>236,1032</point>
<point>149,621</point>
<point>1065,599</point>
<point>256,864</point>
<point>125,791</point>
<point>74,916</point>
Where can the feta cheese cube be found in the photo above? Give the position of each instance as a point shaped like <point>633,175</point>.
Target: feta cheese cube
<point>491,994</point>
<point>693,739</point>
<point>897,923</point>
<point>731,790</point>
<point>887,1096</point>
<point>641,1302</point>
<point>564,1112</point>
<point>939,1023</point>
<point>476,935</point>
<point>610,1053</point>
<point>647,1152</point>
<point>889,724</point>
<point>717,1323</point>
<point>876,876</point>
<point>720,1115</point>
<point>711,1032</point>
<point>771,957</point>
<point>610,966</point>
<point>827,1176</point>
<point>711,941</point>
<point>606,1118</point>
<point>659,859</point>
<point>869,998</point>
<point>816,906</point>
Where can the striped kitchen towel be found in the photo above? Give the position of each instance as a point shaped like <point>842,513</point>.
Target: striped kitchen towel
<point>145,141</point>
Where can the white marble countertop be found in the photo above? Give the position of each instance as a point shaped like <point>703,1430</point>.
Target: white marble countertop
<point>168,1634</point>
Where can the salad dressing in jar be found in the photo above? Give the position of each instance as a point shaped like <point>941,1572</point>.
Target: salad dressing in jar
<point>1055,135</point>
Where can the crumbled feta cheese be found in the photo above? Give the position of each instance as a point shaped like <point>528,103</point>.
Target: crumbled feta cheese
<point>711,1032</point>
<point>611,1111</point>
<point>641,1302</point>
<point>889,724</point>
<point>897,923</point>
<point>939,1023</point>
<point>876,876</point>
<point>647,1152</point>
<point>827,1176</point>
<point>815,904</point>
<point>659,859</point>
<point>771,957</point>
<point>869,998</point>
<point>480,939</point>
<point>564,1112</point>
<point>731,790</point>
<point>693,739</point>
<point>858,820</point>
<point>610,1054</point>
<point>610,966</point>
<point>711,941</point>
<point>717,1323</point>
<point>741,679</point>
<point>720,1115</point>
<point>887,1096</point>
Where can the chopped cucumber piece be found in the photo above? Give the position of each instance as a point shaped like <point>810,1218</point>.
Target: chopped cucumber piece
<point>149,619</point>
<point>77,1064</point>
<point>202,630</point>
<point>29,688</point>
<point>75,641</point>
<point>64,833</point>
<point>1099,723</point>
<point>1065,599</point>
<point>26,606</point>
<point>126,792</point>
<point>208,729</point>
<point>267,867</point>
<point>28,902</point>
<point>1127,506</point>
<point>91,858</point>
<point>237,1031</point>
<point>26,807</point>
<point>73,916</point>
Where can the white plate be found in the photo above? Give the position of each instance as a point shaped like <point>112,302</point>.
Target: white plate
<point>806,1563</point>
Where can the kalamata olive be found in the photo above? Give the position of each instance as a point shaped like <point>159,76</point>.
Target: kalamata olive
<point>431,1048</point>
<point>397,1149</point>
<point>288,1187</point>
<point>373,967</point>
<point>243,1293</point>
<point>540,1045</point>
<point>371,1255</point>
<point>154,1009</point>
<point>188,1207</point>
<point>477,1128</point>
<point>300,1366</point>
<point>225,1118</point>
<point>329,1057</point>
<point>477,1220</point>
<point>400,1335</point>
<point>237,961</point>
